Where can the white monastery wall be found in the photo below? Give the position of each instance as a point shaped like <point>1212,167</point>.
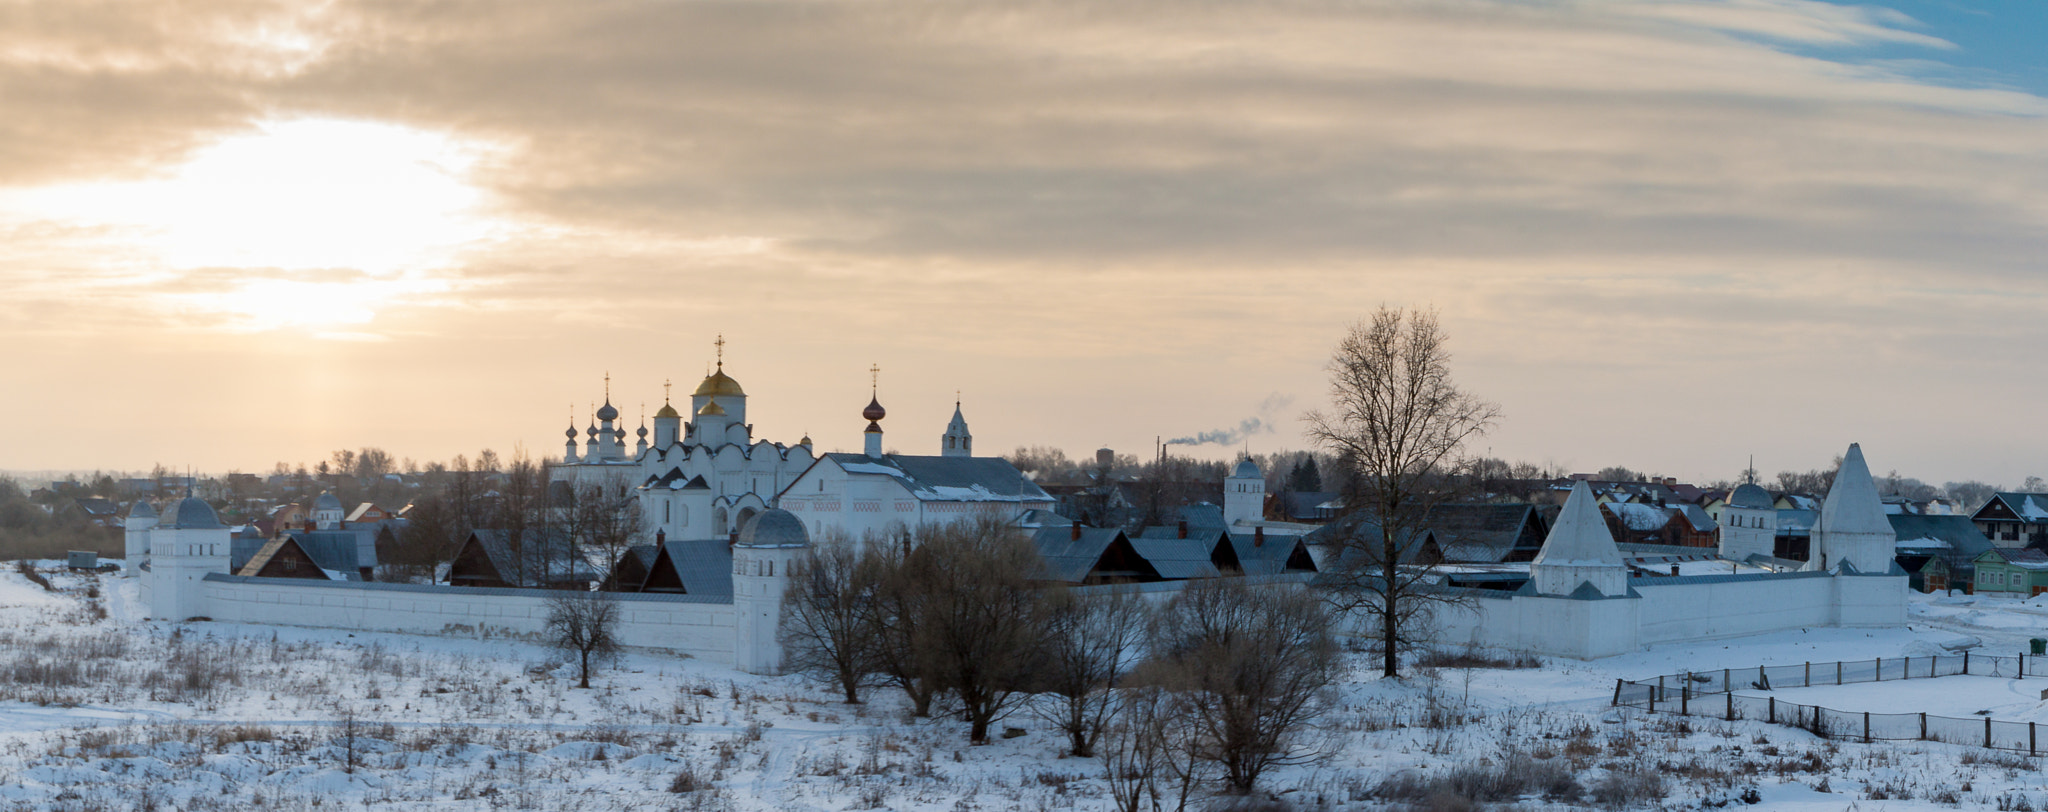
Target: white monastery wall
<point>1721,606</point>
<point>674,623</point>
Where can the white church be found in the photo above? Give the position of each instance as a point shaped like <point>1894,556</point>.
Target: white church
<point>709,476</point>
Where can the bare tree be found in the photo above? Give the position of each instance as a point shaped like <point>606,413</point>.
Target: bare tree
<point>1091,637</point>
<point>585,624</point>
<point>894,620</point>
<point>1399,425</point>
<point>827,627</point>
<point>605,517</point>
<point>1150,754</point>
<point>979,630</point>
<point>1249,667</point>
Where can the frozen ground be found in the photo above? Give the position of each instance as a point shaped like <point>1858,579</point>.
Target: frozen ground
<point>99,710</point>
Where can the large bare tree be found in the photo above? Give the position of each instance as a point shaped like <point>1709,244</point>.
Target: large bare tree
<point>1249,668</point>
<point>1092,635</point>
<point>980,625</point>
<point>828,630</point>
<point>1400,426</point>
<point>584,624</point>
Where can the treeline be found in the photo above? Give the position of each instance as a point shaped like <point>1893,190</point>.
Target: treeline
<point>546,525</point>
<point>1221,682</point>
<point>27,530</point>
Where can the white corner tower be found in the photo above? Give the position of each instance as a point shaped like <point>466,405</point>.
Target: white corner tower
<point>141,519</point>
<point>188,543</point>
<point>1749,523</point>
<point>1244,494</point>
<point>761,558</point>
<point>1579,551</point>
<point>1852,528</point>
<point>957,442</point>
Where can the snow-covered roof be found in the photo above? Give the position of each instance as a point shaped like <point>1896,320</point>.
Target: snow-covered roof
<point>948,479</point>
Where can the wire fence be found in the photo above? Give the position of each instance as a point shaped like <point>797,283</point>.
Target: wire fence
<point>1714,694</point>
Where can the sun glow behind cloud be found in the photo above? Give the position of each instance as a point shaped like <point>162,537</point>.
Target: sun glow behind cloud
<point>330,218</point>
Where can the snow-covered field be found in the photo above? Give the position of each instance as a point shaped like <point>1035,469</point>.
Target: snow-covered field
<point>99,710</point>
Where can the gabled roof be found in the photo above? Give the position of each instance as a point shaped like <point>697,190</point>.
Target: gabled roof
<point>1179,558</point>
<point>334,556</point>
<point>357,514</point>
<point>2022,557</point>
<point>673,480</point>
<point>2029,507</point>
<point>703,566</point>
<point>548,555</point>
<point>948,479</point>
<point>1639,517</point>
<point>1069,559</point>
<point>1481,533</point>
<point>1938,531</point>
<point>1268,555</point>
<point>1698,517</point>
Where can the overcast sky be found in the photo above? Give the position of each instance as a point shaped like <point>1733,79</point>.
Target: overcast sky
<point>1666,234</point>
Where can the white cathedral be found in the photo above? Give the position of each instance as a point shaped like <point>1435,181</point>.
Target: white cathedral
<point>709,476</point>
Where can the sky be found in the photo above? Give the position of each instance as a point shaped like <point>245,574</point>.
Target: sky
<point>1667,234</point>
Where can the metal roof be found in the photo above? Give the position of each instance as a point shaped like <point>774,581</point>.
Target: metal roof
<point>948,479</point>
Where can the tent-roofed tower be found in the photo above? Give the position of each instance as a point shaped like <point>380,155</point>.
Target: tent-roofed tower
<point>1579,550</point>
<point>1852,528</point>
<point>957,442</point>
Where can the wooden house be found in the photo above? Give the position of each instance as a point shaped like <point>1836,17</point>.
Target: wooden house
<point>2020,572</point>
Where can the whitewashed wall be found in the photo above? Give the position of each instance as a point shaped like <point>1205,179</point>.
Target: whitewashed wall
<point>677,623</point>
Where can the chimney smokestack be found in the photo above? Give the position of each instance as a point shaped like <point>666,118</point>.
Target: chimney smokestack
<point>1183,528</point>
<point>1674,570</point>
<point>1258,537</point>
<point>1076,534</point>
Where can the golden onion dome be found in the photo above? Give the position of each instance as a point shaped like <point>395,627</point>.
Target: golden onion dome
<point>711,408</point>
<point>806,441</point>
<point>668,411</point>
<point>719,384</point>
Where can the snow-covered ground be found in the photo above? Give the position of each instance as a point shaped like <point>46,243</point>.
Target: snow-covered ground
<point>100,710</point>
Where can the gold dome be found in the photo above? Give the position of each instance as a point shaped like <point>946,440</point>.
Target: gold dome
<point>712,408</point>
<point>668,411</point>
<point>719,384</point>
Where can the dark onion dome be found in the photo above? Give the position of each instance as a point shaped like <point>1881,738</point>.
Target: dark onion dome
<point>193,513</point>
<point>642,432</point>
<point>874,411</point>
<point>1748,495</point>
<point>592,431</point>
<point>873,428</point>
<point>718,384</point>
<point>606,412</point>
<point>668,411</point>
<point>571,433</point>
<point>774,528</point>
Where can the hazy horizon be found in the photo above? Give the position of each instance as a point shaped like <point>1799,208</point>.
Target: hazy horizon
<point>1668,235</point>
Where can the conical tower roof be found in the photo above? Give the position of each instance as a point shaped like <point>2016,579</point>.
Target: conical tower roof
<point>1580,537</point>
<point>1852,505</point>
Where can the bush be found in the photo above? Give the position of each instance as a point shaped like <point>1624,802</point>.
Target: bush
<point>28,571</point>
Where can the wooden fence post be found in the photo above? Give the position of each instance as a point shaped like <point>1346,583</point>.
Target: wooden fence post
<point>1726,683</point>
<point>1923,726</point>
<point>1731,705</point>
<point>1987,731</point>
<point>1880,671</point>
<point>1809,676</point>
<point>1966,662</point>
<point>2031,750</point>
<point>1685,698</point>
<point>1617,691</point>
<point>1866,727</point>
<point>1774,710</point>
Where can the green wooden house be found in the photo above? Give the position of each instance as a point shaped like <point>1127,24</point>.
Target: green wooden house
<point>2019,571</point>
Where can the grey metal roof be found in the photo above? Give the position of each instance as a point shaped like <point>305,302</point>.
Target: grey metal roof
<point>1796,521</point>
<point>327,501</point>
<point>444,589</point>
<point>1750,495</point>
<point>1070,559</point>
<point>141,510</point>
<point>704,566</point>
<point>1246,469</point>
<point>949,479</point>
<point>774,527</point>
<point>1483,533</point>
<point>339,550</point>
<point>547,554</point>
<point>1179,558</point>
<point>191,513</point>
<point>1958,532</point>
<point>1267,558</point>
<point>1203,514</point>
